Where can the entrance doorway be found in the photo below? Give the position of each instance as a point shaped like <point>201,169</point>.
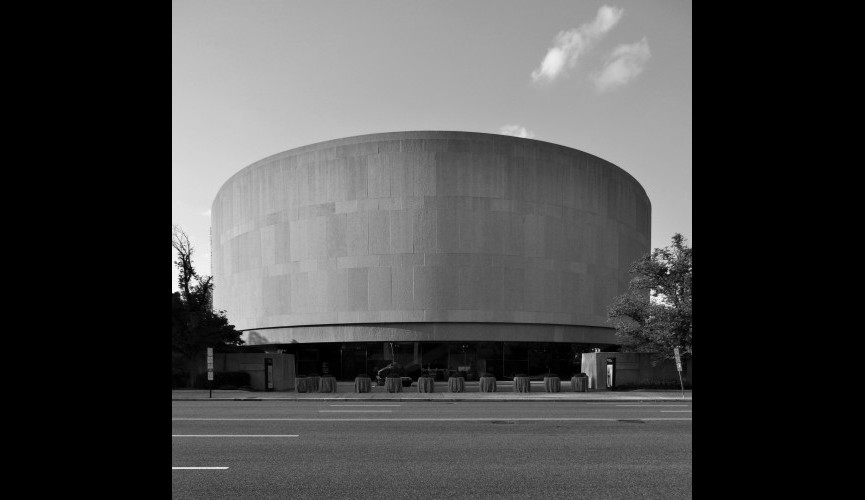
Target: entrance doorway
<point>268,374</point>
<point>611,373</point>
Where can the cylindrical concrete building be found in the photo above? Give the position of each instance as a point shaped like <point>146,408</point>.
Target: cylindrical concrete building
<point>443,250</point>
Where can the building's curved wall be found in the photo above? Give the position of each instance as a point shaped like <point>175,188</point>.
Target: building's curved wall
<point>437,227</point>
<point>432,332</point>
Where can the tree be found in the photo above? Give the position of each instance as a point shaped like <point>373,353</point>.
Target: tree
<point>195,289</point>
<point>655,313</point>
<point>194,324</point>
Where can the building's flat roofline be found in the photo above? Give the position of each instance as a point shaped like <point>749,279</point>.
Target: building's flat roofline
<point>416,134</point>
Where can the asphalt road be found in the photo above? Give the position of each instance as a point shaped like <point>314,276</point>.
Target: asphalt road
<point>279,449</point>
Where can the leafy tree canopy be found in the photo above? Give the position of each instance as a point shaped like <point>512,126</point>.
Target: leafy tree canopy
<point>194,324</point>
<point>655,313</point>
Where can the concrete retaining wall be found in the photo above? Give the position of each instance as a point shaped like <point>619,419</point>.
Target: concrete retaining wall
<point>631,368</point>
<point>253,363</point>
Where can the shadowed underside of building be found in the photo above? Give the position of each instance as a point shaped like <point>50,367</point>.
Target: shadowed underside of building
<point>446,250</point>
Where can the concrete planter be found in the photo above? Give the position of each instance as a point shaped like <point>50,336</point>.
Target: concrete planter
<point>425,384</point>
<point>393,384</point>
<point>522,384</point>
<point>456,384</point>
<point>488,384</point>
<point>300,384</point>
<point>328,384</point>
<point>362,384</point>
<point>579,384</point>
<point>552,384</point>
<point>313,383</point>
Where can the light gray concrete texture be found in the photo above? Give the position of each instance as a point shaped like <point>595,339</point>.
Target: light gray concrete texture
<point>426,227</point>
<point>631,368</point>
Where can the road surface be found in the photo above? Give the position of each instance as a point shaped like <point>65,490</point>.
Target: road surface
<point>295,449</point>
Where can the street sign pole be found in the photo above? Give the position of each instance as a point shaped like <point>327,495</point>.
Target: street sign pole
<point>679,370</point>
<point>210,369</point>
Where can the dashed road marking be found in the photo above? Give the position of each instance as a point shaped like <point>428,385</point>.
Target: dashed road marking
<point>654,405</point>
<point>234,435</point>
<point>199,468</point>
<point>355,411</point>
<point>366,405</point>
<point>625,401</point>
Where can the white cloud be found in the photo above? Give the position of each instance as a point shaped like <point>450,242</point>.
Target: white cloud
<point>570,45</point>
<point>516,131</point>
<point>623,65</point>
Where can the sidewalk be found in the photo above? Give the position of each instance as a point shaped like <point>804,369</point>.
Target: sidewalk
<point>505,392</point>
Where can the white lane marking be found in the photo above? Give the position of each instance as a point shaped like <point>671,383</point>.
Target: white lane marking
<point>478,419</point>
<point>676,411</point>
<point>631,401</point>
<point>235,435</point>
<point>355,411</point>
<point>652,405</point>
<point>366,405</point>
<point>617,404</point>
<point>197,468</point>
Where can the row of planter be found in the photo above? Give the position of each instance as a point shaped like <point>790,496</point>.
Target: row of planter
<point>579,383</point>
<point>488,384</point>
<point>314,383</point>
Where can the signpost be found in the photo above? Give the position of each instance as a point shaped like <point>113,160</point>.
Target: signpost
<point>679,368</point>
<point>210,369</point>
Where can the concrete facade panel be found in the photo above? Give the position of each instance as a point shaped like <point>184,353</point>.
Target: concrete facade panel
<point>379,233</point>
<point>424,230</point>
<point>426,227</point>
<point>481,288</point>
<point>402,291</point>
<point>378,178</point>
<point>357,289</point>
<point>357,233</point>
<point>447,232</point>
<point>379,290</point>
<point>336,235</point>
<point>434,287</point>
<point>401,231</point>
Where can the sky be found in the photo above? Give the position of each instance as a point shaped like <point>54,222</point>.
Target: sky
<point>254,78</point>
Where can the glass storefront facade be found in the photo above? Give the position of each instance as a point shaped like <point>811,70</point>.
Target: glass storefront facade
<point>441,359</point>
